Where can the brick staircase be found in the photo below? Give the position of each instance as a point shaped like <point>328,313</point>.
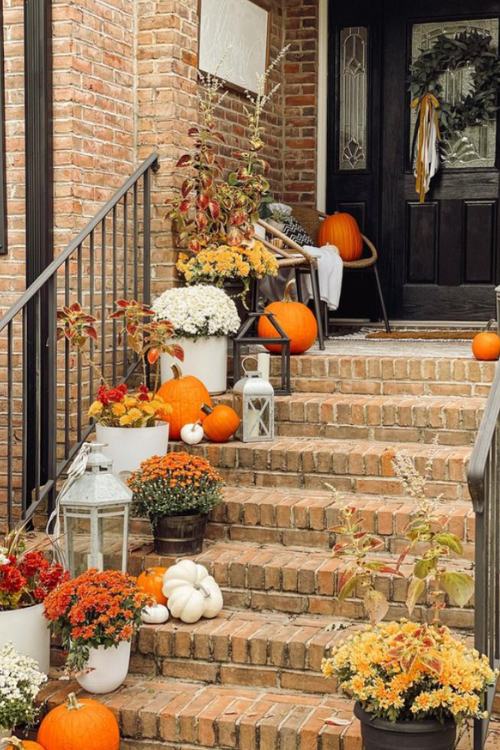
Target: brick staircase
<point>251,679</point>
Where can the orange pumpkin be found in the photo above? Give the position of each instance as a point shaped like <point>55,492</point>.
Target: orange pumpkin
<point>342,230</point>
<point>16,744</point>
<point>486,345</point>
<point>186,396</point>
<point>79,723</point>
<point>150,582</point>
<point>220,423</point>
<point>296,320</point>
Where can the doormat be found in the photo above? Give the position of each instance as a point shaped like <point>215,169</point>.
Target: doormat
<point>424,335</point>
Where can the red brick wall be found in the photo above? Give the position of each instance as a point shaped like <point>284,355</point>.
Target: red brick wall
<point>300,94</point>
<point>125,83</point>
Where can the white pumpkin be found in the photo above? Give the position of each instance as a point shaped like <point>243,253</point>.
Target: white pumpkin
<point>155,614</point>
<point>192,434</point>
<point>191,592</point>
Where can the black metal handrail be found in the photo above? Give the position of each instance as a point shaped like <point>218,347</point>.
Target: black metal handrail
<point>484,487</point>
<point>45,389</point>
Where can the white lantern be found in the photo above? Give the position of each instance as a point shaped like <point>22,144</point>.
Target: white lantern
<point>254,403</point>
<point>95,509</point>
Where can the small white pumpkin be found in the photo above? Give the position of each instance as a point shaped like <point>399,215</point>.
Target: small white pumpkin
<point>191,592</point>
<point>155,614</point>
<point>192,434</point>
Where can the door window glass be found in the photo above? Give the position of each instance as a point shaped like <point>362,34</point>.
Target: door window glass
<point>475,146</point>
<point>353,98</point>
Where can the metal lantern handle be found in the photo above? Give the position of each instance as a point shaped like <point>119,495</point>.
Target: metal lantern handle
<point>249,373</point>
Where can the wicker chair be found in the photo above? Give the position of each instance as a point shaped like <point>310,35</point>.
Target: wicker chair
<point>291,255</point>
<point>311,219</point>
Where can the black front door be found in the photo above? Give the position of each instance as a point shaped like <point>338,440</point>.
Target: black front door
<point>440,259</point>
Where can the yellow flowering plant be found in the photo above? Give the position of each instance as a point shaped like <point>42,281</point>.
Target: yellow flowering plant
<point>401,671</point>
<point>215,265</point>
<point>116,407</point>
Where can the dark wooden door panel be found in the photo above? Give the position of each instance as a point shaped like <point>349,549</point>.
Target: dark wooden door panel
<point>440,259</point>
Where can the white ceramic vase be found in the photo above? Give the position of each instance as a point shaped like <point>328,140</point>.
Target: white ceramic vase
<point>28,631</point>
<point>129,446</point>
<point>107,668</point>
<point>205,358</point>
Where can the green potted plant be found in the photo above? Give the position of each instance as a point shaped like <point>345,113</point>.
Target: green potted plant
<point>176,492</point>
<point>130,425</point>
<point>215,214</point>
<point>96,616</point>
<point>20,682</point>
<point>26,578</point>
<point>413,684</point>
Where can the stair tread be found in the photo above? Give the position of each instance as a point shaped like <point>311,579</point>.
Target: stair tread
<point>168,710</point>
<point>302,445</point>
<point>404,398</point>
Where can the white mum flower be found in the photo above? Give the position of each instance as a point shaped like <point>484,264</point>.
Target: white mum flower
<point>198,311</point>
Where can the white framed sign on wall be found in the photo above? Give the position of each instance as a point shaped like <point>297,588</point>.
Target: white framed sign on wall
<point>234,41</point>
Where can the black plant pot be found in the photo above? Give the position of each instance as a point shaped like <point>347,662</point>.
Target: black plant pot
<point>180,535</point>
<point>379,734</point>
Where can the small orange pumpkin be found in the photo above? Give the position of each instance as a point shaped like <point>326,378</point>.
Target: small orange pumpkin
<point>295,319</point>
<point>220,423</point>
<point>16,744</point>
<point>150,582</point>
<point>185,395</point>
<point>79,722</point>
<point>486,345</point>
<point>342,230</point>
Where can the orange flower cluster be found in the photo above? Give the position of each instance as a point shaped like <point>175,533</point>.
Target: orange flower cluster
<point>176,469</point>
<point>174,484</point>
<point>97,608</point>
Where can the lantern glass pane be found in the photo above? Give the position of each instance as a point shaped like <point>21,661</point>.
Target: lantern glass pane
<point>258,418</point>
<point>95,538</point>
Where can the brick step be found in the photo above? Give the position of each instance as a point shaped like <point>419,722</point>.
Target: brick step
<point>294,517</point>
<point>428,419</point>
<point>389,375</point>
<point>401,418</point>
<point>271,650</point>
<point>160,713</point>
<point>298,581</point>
<point>359,466</point>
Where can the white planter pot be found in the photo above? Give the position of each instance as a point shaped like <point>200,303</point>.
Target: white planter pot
<point>205,358</point>
<point>108,668</point>
<point>28,631</point>
<point>129,446</point>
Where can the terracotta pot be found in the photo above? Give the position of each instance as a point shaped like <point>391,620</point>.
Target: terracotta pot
<point>379,734</point>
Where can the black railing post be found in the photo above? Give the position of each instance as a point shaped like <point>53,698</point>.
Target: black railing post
<point>146,291</point>
<point>39,224</point>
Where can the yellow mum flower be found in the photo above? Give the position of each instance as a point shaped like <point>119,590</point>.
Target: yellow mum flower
<point>118,410</point>
<point>135,414</point>
<point>130,402</point>
<point>125,421</point>
<point>95,409</point>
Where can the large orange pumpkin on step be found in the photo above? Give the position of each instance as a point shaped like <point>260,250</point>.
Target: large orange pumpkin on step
<point>220,423</point>
<point>150,582</point>
<point>296,320</point>
<point>486,345</point>
<point>186,395</point>
<point>79,723</point>
<point>342,230</point>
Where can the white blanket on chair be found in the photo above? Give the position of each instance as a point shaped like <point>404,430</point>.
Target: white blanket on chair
<point>330,271</point>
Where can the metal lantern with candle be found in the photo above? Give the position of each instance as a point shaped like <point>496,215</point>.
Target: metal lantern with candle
<point>254,402</point>
<point>95,506</point>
